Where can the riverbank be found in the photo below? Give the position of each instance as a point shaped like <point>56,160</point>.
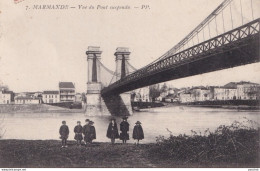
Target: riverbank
<point>42,154</point>
<point>36,108</point>
<point>225,104</point>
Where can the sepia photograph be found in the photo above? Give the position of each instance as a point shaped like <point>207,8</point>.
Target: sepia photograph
<point>129,84</point>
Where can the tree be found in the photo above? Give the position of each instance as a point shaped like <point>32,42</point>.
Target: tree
<point>164,88</point>
<point>154,91</point>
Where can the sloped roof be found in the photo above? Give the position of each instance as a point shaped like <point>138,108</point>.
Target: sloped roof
<point>231,85</point>
<point>26,98</point>
<point>50,92</point>
<point>66,85</point>
<point>7,92</point>
<point>246,82</point>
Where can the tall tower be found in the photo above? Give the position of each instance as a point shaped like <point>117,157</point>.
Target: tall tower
<point>114,104</point>
<point>122,56</point>
<point>94,84</point>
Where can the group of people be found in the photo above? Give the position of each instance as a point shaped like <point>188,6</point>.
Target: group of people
<point>89,132</point>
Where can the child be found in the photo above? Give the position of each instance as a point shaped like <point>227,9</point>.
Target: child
<point>138,133</point>
<point>112,131</point>
<point>124,128</point>
<point>64,134</point>
<point>92,131</point>
<point>78,133</point>
<point>86,131</point>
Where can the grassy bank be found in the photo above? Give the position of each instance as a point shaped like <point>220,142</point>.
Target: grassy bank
<point>236,145</point>
<point>23,153</point>
<point>229,146</point>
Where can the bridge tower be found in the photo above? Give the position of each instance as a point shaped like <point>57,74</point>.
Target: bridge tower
<point>115,104</point>
<point>122,56</point>
<point>94,83</point>
<point>122,70</point>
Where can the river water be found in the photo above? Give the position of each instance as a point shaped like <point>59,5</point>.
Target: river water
<point>156,121</point>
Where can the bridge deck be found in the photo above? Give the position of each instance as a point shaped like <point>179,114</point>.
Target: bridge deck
<point>237,47</point>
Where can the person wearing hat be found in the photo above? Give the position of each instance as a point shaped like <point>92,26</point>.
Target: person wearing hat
<point>112,131</point>
<point>64,134</point>
<point>78,133</point>
<point>86,132</point>
<point>124,128</point>
<point>138,133</point>
<point>92,131</point>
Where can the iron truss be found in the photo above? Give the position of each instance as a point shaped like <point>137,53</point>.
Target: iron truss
<point>228,41</point>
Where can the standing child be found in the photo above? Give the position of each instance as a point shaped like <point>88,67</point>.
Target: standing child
<point>92,131</point>
<point>124,128</point>
<point>64,134</point>
<point>78,133</point>
<point>112,131</point>
<point>86,132</point>
<point>138,133</point>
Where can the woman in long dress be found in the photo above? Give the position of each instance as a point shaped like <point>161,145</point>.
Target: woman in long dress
<point>138,133</point>
<point>124,128</point>
<point>112,131</point>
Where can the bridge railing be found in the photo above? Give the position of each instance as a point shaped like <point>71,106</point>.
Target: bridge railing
<point>237,34</point>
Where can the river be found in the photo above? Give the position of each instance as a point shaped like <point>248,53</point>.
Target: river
<point>156,121</point>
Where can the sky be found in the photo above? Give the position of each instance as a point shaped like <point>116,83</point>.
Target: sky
<point>40,48</point>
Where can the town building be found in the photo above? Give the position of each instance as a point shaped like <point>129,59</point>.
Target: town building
<point>78,97</point>
<point>142,95</point>
<point>27,100</point>
<point>248,90</point>
<point>67,91</point>
<point>186,97</point>
<point>51,97</point>
<point>6,97</point>
<point>223,93</point>
<point>171,98</point>
<point>200,93</point>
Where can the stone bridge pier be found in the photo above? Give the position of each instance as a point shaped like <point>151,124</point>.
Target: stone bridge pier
<point>116,104</point>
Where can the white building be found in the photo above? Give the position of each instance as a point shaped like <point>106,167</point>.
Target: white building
<point>248,90</point>
<point>223,93</point>
<point>142,95</point>
<point>200,94</point>
<point>51,97</point>
<point>27,100</point>
<point>6,97</point>
<point>186,97</point>
<point>67,91</point>
<point>78,97</point>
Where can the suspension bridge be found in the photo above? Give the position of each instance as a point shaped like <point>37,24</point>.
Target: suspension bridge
<point>228,37</point>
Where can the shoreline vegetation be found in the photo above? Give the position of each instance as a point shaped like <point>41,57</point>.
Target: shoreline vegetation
<point>236,145</point>
<point>137,106</point>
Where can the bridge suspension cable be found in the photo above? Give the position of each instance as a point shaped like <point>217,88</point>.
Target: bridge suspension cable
<point>193,33</point>
<point>252,9</point>
<point>241,12</point>
<point>108,70</point>
<point>131,66</point>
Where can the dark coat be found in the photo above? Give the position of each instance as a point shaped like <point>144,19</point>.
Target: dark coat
<point>112,131</point>
<point>124,128</point>
<point>92,133</point>
<point>78,132</point>
<point>138,133</point>
<point>87,132</point>
<point>64,132</point>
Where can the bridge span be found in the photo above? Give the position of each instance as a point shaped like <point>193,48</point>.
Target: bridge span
<point>108,91</point>
<point>237,47</point>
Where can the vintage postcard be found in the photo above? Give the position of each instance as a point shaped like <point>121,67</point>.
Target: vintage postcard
<point>129,84</point>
